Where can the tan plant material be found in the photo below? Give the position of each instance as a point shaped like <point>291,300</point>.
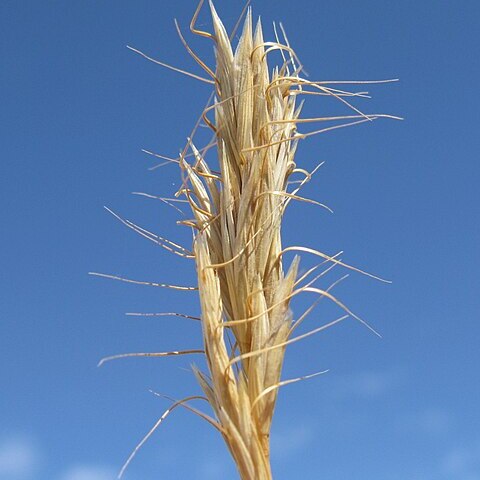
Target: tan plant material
<point>245,290</point>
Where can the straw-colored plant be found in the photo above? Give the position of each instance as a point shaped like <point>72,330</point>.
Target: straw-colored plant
<point>245,291</point>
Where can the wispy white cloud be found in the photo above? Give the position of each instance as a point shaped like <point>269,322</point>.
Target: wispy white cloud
<point>462,463</point>
<point>432,421</point>
<point>366,384</point>
<point>90,472</point>
<point>435,421</point>
<point>19,458</point>
<point>288,441</point>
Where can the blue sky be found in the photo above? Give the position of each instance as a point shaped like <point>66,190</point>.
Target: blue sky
<point>77,107</point>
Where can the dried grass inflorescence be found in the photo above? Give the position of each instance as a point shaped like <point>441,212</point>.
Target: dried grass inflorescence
<point>238,247</point>
<point>245,291</point>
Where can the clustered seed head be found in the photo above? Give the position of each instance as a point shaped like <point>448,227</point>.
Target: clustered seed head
<point>245,293</point>
<point>238,214</point>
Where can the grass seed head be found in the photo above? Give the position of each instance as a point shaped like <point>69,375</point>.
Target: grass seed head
<point>238,214</point>
<point>245,291</point>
